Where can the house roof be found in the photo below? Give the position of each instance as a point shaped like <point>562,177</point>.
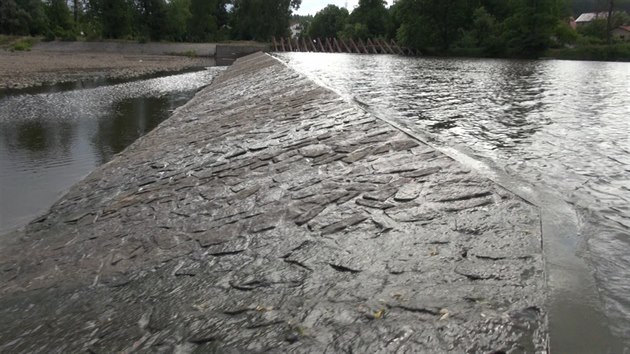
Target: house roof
<point>625,28</point>
<point>590,16</point>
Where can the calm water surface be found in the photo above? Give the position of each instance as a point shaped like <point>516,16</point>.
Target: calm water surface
<point>560,125</point>
<point>50,140</point>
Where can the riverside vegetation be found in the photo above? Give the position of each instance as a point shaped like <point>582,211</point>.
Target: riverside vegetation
<point>489,28</point>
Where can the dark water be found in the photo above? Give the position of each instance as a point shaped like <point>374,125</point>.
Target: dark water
<point>50,140</point>
<point>561,126</point>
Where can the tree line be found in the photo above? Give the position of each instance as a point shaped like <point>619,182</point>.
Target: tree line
<point>473,27</point>
<point>477,27</point>
<point>148,20</point>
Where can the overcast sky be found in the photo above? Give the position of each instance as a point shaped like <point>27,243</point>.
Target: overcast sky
<point>310,7</point>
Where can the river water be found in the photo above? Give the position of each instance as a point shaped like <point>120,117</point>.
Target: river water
<point>561,126</point>
<point>52,137</point>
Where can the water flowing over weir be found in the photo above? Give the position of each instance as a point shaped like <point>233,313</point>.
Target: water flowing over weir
<point>269,214</point>
<point>555,131</point>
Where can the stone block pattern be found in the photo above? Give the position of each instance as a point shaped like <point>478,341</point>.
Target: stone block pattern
<point>270,215</point>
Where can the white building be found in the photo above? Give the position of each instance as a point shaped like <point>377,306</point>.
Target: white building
<point>590,17</point>
<point>296,29</point>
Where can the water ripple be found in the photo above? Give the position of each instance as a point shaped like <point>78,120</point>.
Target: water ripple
<point>561,124</point>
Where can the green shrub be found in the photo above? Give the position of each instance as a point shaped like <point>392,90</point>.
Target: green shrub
<point>616,52</point>
<point>5,40</point>
<point>49,36</point>
<point>467,52</point>
<point>69,37</point>
<point>24,44</point>
<point>190,53</point>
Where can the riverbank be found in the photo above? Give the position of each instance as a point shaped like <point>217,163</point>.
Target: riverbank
<point>49,63</point>
<point>268,214</point>
<point>616,52</point>
<point>20,70</point>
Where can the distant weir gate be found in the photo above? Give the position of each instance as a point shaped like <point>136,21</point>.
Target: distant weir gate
<point>335,45</point>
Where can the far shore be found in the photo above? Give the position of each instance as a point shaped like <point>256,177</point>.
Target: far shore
<point>49,63</point>
<point>26,69</point>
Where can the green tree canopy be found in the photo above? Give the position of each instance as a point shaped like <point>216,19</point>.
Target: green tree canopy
<point>431,23</point>
<point>328,22</point>
<point>373,15</point>
<point>178,14</point>
<point>262,19</point>
<point>207,18</point>
<point>23,17</point>
<point>528,30</point>
<point>152,20</point>
<point>112,18</point>
<point>59,16</point>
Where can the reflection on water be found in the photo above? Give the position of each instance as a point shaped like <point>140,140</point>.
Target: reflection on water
<point>118,131</point>
<point>561,124</point>
<point>49,141</point>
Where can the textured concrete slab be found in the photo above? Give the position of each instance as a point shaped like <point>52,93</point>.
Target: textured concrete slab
<point>268,214</point>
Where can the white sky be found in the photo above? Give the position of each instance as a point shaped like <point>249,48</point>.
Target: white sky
<point>310,7</point>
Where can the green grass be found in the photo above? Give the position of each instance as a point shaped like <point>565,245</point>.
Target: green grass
<point>22,44</point>
<point>188,53</point>
<point>615,52</point>
<point>4,39</point>
<point>16,43</point>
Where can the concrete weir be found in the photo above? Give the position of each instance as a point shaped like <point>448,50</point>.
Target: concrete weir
<point>269,214</point>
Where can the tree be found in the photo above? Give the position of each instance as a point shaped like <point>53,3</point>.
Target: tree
<point>178,16</point>
<point>431,23</point>
<point>59,17</point>
<point>373,15</point>
<point>355,31</point>
<point>483,26</point>
<point>262,19</point>
<point>23,17</point>
<point>328,22</point>
<point>152,18</point>
<point>75,10</point>
<point>395,20</point>
<point>611,7</point>
<point>11,18</point>
<point>112,18</point>
<point>528,30</point>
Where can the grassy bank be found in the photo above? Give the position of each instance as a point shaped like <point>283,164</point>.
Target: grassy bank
<point>615,52</point>
<point>16,43</point>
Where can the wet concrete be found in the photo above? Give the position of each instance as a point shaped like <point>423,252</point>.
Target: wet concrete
<point>268,214</point>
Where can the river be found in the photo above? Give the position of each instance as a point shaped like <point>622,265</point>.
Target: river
<point>561,126</point>
<point>51,137</point>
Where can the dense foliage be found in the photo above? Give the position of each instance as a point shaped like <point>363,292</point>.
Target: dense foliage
<point>474,27</point>
<point>328,22</point>
<point>479,27</point>
<point>176,20</point>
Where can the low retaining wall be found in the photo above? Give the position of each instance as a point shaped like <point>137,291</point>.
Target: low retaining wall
<point>224,53</point>
<point>268,214</point>
<point>153,48</point>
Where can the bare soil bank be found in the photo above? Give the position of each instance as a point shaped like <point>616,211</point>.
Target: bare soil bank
<point>25,69</point>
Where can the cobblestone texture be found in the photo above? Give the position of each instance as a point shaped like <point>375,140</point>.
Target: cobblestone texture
<point>268,214</point>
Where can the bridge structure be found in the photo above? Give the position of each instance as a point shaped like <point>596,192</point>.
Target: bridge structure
<point>338,45</point>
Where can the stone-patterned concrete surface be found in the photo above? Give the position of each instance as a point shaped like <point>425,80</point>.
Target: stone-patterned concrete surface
<point>270,215</point>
